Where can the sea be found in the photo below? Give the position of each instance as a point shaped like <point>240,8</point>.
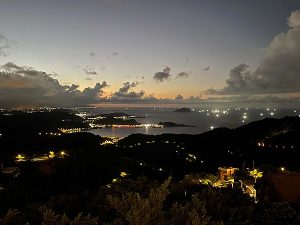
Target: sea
<point>202,119</point>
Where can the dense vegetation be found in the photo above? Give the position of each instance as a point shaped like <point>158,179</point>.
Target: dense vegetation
<point>19,122</point>
<point>88,180</point>
<point>141,201</point>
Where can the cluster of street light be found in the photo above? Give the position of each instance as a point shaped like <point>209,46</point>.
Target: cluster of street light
<point>50,155</point>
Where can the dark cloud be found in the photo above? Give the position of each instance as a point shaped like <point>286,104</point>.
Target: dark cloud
<point>131,94</point>
<point>126,87</point>
<point>241,80</point>
<point>206,68</point>
<point>182,75</point>
<point>125,92</point>
<point>94,93</point>
<point>92,54</point>
<point>88,78</point>
<point>89,70</point>
<point>164,75</point>
<point>26,86</point>
<point>179,97</point>
<point>278,71</point>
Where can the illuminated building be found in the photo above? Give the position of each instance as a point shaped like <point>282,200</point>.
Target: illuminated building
<point>226,173</point>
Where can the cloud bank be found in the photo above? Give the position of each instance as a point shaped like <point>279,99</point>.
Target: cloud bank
<point>179,97</point>
<point>26,87</point>
<point>125,93</point>
<point>278,71</point>
<point>21,86</point>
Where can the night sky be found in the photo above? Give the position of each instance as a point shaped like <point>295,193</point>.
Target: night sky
<point>74,52</point>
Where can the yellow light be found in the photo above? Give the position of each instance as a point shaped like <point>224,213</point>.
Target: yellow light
<point>51,154</point>
<point>123,174</point>
<point>20,157</point>
<point>62,153</point>
<point>256,174</point>
<point>282,169</point>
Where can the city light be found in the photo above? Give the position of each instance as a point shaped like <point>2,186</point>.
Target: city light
<point>123,174</point>
<point>20,157</point>
<point>256,174</point>
<point>51,154</point>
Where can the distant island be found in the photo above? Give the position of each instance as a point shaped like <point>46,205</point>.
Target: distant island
<point>120,115</point>
<point>112,121</point>
<point>172,124</point>
<point>183,110</point>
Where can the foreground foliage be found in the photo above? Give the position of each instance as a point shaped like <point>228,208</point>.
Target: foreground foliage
<point>145,202</point>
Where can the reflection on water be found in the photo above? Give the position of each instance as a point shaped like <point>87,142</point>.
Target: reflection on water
<point>202,119</point>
